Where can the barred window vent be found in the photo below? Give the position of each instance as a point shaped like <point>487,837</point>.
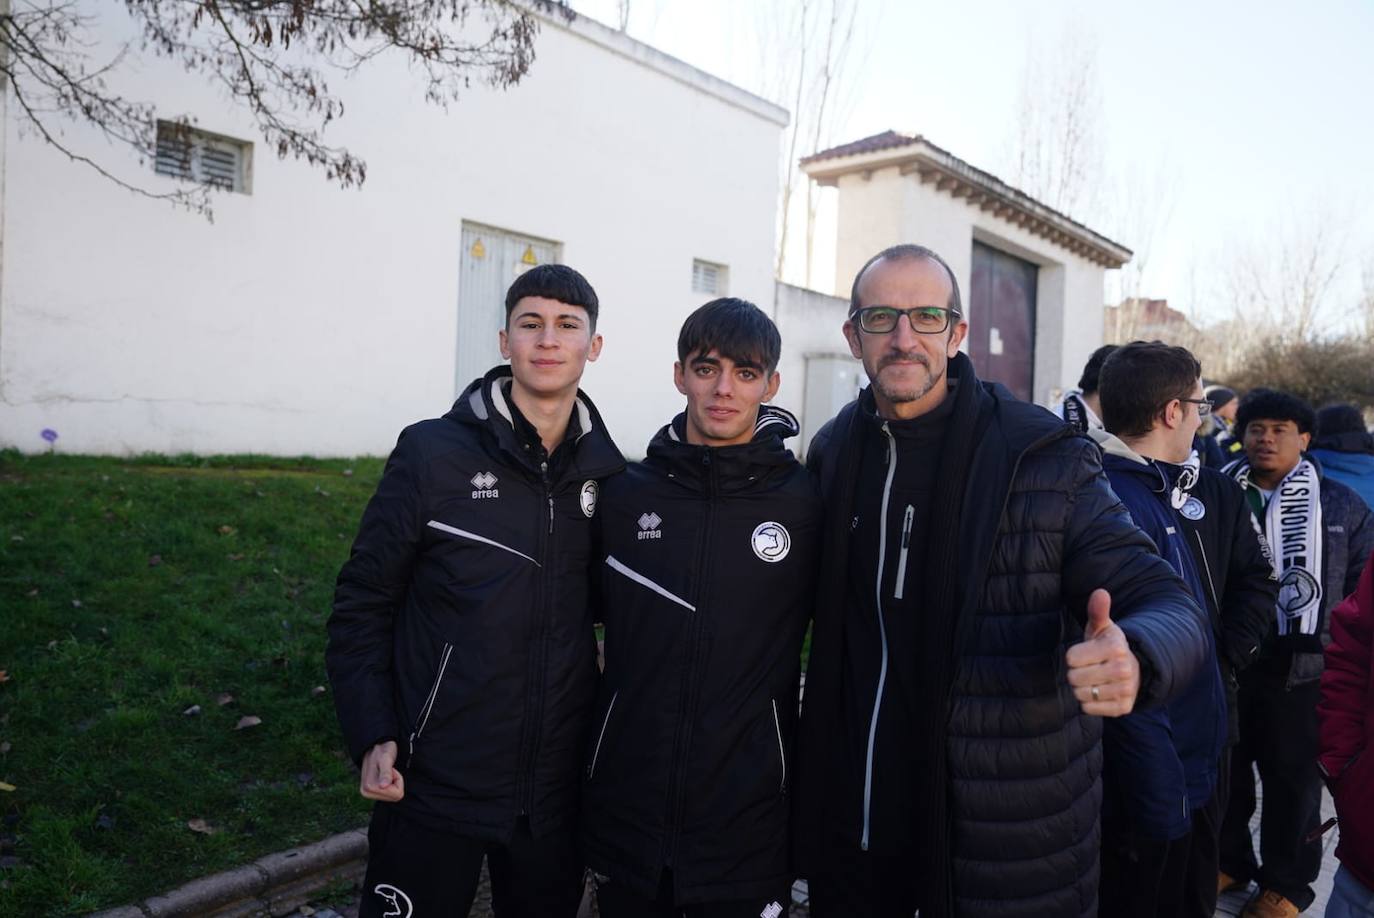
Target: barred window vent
<point>197,156</point>
<point>708,277</point>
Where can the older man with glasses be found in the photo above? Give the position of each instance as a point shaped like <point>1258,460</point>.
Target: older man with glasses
<point>984,599</point>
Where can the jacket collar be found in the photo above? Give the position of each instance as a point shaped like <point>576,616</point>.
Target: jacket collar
<point>726,468</point>
<point>485,403</point>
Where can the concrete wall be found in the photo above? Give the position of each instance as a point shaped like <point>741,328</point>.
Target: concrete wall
<point>887,207</point>
<point>308,319</point>
<point>809,322</point>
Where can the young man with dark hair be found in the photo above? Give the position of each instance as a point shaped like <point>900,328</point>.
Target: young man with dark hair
<point>1159,858</point>
<point>710,548</point>
<point>1319,534</point>
<point>950,745</point>
<point>1081,407</point>
<point>461,648</point>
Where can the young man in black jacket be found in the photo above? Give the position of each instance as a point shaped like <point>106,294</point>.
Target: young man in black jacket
<point>710,549</point>
<point>984,599</point>
<point>461,649</point>
<point>1319,534</point>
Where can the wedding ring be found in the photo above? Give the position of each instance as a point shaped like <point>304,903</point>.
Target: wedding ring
<point>1095,698</point>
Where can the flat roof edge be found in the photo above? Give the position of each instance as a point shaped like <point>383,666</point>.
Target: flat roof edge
<point>648,56</point>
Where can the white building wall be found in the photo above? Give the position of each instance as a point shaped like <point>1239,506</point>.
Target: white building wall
<point>309,319</point>
<point>810,322</point>
<point>887,207</point>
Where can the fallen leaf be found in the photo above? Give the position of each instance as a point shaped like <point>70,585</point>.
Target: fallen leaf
<point>317,691</point>
<point>249,720</point>
<point>7,787</point>
<point>5,747</point>
<point>224,698</point>
<point>201,826</point>
<point>227,530</point>
<point>154,560</point>
<point>235,557</point>
<point>192,711</point>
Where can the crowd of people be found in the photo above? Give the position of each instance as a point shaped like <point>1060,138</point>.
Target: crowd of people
<point>1046,652</point>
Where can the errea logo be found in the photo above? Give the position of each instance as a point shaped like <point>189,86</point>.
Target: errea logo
<point>485,485</point>
<point>648,526</point>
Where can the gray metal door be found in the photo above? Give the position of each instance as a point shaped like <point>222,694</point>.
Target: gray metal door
<point>832,381</point>
<point>491,260</point>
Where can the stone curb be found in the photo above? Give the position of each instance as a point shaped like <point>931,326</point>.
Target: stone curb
<point>277,884</point>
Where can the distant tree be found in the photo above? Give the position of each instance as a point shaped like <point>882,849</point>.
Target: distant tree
<point>1057,149</point>
<point>1322,371</point>
<point>271,56</point>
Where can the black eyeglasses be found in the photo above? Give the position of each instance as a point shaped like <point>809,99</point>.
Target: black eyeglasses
<point>925,320</point>
<point>1204,407</point>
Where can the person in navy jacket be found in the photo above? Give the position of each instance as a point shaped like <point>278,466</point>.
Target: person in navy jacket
<point>1161,809</point>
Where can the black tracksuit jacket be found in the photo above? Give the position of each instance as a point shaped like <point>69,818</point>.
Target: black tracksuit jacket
<point>709,559</point>
<point>462,626</point>
<point>1237,576</point>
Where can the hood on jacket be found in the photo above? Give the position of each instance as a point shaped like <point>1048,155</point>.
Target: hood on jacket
<point>486,403</point>
<point>733,467</point>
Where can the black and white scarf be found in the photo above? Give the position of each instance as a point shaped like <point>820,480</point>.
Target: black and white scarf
<point>1076,411</point>
<point>1292,531</point>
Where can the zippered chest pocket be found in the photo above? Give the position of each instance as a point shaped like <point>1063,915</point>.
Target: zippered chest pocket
<point>427,708</point>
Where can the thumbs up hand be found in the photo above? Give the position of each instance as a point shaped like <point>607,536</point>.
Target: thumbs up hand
<point>1103,671</point>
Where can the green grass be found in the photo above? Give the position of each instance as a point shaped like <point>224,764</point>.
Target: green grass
<point>131,590</point>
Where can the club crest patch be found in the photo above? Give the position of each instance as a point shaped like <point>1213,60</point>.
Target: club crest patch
<point>587,498</point>
<point>771,542</point>
<point>1193,509</point>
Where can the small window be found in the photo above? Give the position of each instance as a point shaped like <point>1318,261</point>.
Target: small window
<point>186,153</point>
<point>708,277</point>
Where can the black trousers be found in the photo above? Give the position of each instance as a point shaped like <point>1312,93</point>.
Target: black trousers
<point>1278,733</point>
<point>615,901</point>
<point>1144,878</point>
<point>860,884</point>
<point>413,870</point>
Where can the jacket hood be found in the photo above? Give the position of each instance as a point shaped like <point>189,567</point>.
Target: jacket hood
<point>734,467</point>
<point>1158,475</point>
<point>486,403</point>
<point>1354,441</point>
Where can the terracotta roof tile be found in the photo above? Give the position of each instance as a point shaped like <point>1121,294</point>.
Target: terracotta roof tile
<point>884,141</point>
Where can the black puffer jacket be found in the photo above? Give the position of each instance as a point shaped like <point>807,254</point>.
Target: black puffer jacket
<point>710,561</point>
<point>461,625</point>
<point>1039,530</point>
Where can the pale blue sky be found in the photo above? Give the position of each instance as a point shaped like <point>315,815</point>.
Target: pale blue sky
<point>1258,119</point>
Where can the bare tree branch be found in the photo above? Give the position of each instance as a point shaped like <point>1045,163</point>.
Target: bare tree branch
<point>271,55</point>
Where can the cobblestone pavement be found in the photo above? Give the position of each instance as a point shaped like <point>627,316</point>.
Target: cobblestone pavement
<point>1229,905</point>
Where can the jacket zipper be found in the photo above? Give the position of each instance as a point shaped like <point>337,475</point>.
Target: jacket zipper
<point>1211,588</point>
<point>683,734</point>
<point>525,778</point>
<point>882,631</point>
<point>428,706</point>
<point>596,753</point>
<point>901,559</point>
<point>782,752</point>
